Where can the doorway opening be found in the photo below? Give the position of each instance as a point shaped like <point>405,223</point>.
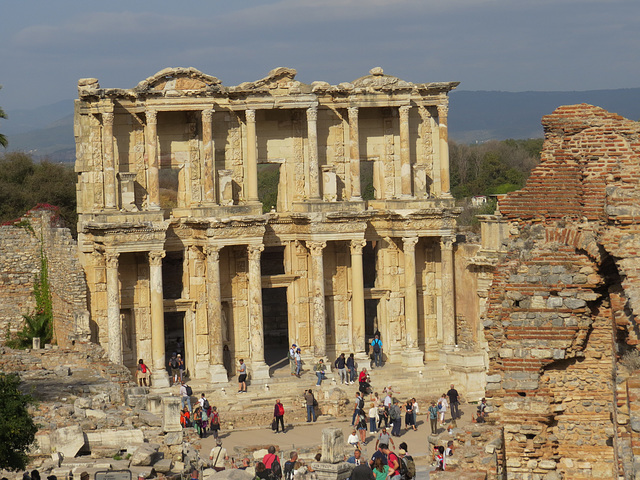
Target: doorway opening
<point>275,318</point>
<point>174,336</point>
<point>370,320</point>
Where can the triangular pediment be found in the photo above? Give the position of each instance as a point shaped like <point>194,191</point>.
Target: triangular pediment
<point>280,77</point>
<point>178,79</point>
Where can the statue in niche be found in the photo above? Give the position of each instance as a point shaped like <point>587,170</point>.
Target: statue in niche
<point>223,322</point>
<point>126,335</point>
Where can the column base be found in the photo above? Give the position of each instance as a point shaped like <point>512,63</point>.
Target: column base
<point>218,374</point>
<point>159,379</point>
<point>412,358</point>
<point>259,371</point>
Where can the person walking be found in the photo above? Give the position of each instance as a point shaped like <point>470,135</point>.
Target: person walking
<point>453,402</point>
<point>359,405</point>
<point>443,406</point>
<point>373,418</point>
<point>204,423</point>
<point>218,455</point>
<point>384,438</point>
<point>311,405</point>
<point>185,395</point>
<point>383,415</point>
<point>408,415</point>
<point>278,415</point>
<point>395,414</point>
<point>377,350</point>
<point>319,369</point>
<point>362,427</point>
<point>173,365</point>
<point>341,365</point>
<point>215,421</point>
<point>242,377</point>
<point>415,413</point>
<point>433,418</point>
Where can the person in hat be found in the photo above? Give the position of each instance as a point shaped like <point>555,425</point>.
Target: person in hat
<point>320,369</point>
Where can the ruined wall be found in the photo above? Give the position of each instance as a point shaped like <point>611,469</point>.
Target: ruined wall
<point>561,307</point>
<point>20,244</point>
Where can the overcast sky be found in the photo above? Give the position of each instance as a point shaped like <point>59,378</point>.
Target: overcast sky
<point>510,45</point>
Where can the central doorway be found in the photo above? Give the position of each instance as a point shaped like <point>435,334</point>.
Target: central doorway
<point>275,317</point>
<point>174,336</point>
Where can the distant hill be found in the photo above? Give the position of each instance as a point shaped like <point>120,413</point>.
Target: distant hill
<point>473,117</point>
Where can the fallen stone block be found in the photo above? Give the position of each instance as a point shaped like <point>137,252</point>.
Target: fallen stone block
<point>231,474</point>
<point>138,471</point>
<point>145,455</point>
<point>150,419</point>
<point>173,438</point>
<point>68,440</point>
<point>163,466</point>
<point>99,414</point>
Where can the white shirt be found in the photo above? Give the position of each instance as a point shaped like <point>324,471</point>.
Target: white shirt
<point>373,413</point>
<point>353,439</point>
<point>387,401</point>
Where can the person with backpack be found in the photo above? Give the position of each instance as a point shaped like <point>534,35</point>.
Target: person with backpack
<point>394,463</point>
<point>407,465</point>
<point>351,367</point>
<point>290,466</point>
<point>377,350</point>
<point>395,414</point>
<point>142,373</point>
<point>278,415</point>
<point>341,365</point>
<point>272,463</point>
<point>204,403</point>
<point>215,422</point>
<point>358,406</point>
<point>185,395</point>
<point>433,418</point>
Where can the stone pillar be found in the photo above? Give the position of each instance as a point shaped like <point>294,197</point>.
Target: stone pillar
<point>405,152</point>
<point>411,356</point>
<point>153,182</point>
<point>354,155</point>
<point>332,466</point>
<point>259,369</point>
<point>159,378</point>
<point>208,182</point>
<point>214,316</point>
<point>252,158</point>
<point>312,138</point>
<point>316,290</point>
<point>110,185</point>
<point>357,297</point>
<point>113,308</point>
<point>443,110</point>
<point>448,294</point>
<point>171,414</point>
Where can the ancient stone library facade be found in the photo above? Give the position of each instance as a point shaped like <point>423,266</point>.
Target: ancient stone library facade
<point>356,237</point>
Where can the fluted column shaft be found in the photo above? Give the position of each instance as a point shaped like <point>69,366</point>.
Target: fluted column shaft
<point>312,138</point>
<point>252,157</point>
<point>208,146</point>
<point>448,293</point>
<point>405,151</point>
<point>354,154</point>
<point>110,185</point>
<point>153,182</point>
<point>444,150</point>
<point>410,292</point>
<point>318,311</point>
<point>255,303</point>
<point>217,370</point>
<point>113,309</point>
<point>159,372</point>
<point>357,295</point>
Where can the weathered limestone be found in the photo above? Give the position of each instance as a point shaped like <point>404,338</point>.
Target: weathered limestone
<point>317,291</point>
<point>110,188</point>
<point>252,157</point>
<point>259,369</point>
<point>354,155</point>
<point>357,300</point>
<point>113,308</point>
<point>208,183</point>
<point>158,374</point>
<point>153,195</point>
<point>448,293</point>
<point>411,357</point>
<point>405,153</point>
<point>214,316</point>
<point>171,414</point>
<point>312,135</point>
<point>443,111</point>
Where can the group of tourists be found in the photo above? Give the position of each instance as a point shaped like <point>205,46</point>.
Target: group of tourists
<point>384,464</point>
<point>204,416</point>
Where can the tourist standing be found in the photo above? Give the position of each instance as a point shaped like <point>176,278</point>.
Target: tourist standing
<point>278,415</point>
<point>359,405</point>
<point>394,463</point>
<point>408,415</point>
<point>384,438</point>
<point>373,418</point>
<point>197,417</point>
<point>362,427</point>
<point>185,395</point>
<point>351,366</point>
<point>204,423</point>
<point>383,415</point>
<point>292,359</point>
<point>215,421</point>
<point>395,414</point>
<point>311,405</point>
<point>218,455</point>
<point>242,377</point>
<point>443,405</point>
<point>341,365</point>
<point>173,365</point>
<point>380,469</point>
<point>320,368</point>
<point>180,367</point>
<point>377,351</point>
<point>143,373</point>
<point>415,413</point>
<point>298,358</point>
<point>453,402</point>
<point>272,462</point>
<point>433,418</point>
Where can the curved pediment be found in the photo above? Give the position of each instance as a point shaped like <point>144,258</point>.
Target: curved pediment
<point>377,80</point>
<point>178,79</point>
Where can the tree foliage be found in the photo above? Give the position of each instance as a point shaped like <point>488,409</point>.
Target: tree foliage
<point>17,430</point>
<point>494,167</point>
<point>24,184</point>
<point>3,140</point>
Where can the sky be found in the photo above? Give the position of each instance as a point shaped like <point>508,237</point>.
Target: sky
<point>507,45</point>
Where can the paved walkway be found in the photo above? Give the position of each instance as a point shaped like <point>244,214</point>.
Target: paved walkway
<point>309,435</point>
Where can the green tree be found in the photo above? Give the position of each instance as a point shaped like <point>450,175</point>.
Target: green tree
<point>3,140</point>
<point>17,430</point>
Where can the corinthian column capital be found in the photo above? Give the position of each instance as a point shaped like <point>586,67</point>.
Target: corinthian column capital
<point>254,252</point>
<point>251,115</point>
<point>312,113</point>
<point>357,246</point>
<point>152,116</point>
<point>316,247</point>
<point>207,115</point>
<point>446,243</point>
<point>409,243</point>
<point>353,113</point>
<point>213,252</point>
<point>155,258</point>
<point>112,259</point>
<point>443,111</point>
<point>107,119</point>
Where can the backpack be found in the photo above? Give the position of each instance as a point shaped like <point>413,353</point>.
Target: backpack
<point>407,468</point>
<point>275,472</point>
<point>393,413</point>
<point>288,470</point>
<point>189,390</point>
<point>376,346</point>
<point>280,409</point>
<point>174,362</point>
<point>143,368</point>
<point>206,404</point>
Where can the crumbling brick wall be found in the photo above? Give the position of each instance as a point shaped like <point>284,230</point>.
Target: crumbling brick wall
<point>561,308</point>
<point>20,244</point>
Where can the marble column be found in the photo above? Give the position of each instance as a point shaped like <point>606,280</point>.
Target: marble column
<point>252,158</point>
<point>405,152</point>
<point>113,308</point>
<point>354,155</point>
<point>159,377</point>
<point>411,356</point>
<point>214,316</point>
<point>443,111</point>
<point>110,185</point>
<point>448,293</point>
<point>316,290</point>
<point>357,297</point>
<point>153,182</point>
<point>312,138</point>
<point>259,369</point>
<point>209,175</point>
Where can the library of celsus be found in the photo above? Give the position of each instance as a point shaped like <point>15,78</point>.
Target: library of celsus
<point>233,221</point>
